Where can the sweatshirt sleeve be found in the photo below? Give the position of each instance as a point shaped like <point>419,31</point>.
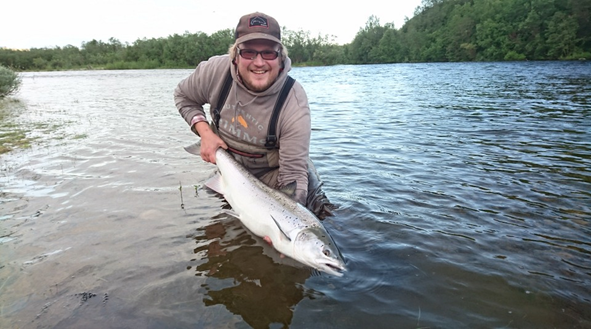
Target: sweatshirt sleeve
<point>198,88</point>
<point>190,96</point>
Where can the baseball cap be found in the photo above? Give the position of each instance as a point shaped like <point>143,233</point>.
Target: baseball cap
<point>257,26</point>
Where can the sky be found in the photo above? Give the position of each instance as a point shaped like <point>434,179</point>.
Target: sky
<point>50,23</point>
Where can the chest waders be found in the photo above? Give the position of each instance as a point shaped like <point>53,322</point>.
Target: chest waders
<point>271,139</point>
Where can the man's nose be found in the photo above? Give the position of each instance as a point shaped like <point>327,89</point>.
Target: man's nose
<point>259,60</point>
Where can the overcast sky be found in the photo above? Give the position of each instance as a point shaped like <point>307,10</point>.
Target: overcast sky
<point>50,23</point>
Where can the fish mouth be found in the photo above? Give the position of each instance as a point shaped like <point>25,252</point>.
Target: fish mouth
<point>334,269</point>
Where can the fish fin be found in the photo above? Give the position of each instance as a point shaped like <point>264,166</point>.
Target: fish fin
<point>232,213</point>
<point>280,228</point>
<point>194,148</point>
<point>215,183</point>
<point>289,189</point>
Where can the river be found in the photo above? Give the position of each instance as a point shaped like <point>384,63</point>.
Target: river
<point>463,193</point>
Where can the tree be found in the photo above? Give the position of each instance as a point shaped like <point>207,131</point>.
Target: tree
<point>561,36</point>
<point>296,42</point>
<point>389,47</point>
<point>362,49</point>
<point>460,31</point>
<point>10,82</point>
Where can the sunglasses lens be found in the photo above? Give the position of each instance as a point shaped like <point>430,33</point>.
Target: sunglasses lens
<point>269,54</point>
<point>250,54</point>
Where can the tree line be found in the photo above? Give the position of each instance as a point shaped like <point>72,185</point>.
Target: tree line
<point>439,31</point>
<point>480,30</point>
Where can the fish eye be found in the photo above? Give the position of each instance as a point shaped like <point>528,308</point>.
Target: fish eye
<point>326,252</point>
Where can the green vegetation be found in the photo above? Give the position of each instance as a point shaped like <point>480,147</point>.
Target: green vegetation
<point>18,132</point>
<point>482,30</point>
<point>10,82</point>
<point>11,135</point>
<point>440,31</point>
<point>15,138</point>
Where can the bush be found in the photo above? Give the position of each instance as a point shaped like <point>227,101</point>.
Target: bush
<point>10,82</point>
<point>514,56</point>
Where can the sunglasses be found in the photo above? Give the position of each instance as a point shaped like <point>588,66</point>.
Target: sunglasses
<point>250,54</point>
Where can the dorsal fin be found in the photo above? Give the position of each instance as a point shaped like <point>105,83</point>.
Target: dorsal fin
<point>289,189</point>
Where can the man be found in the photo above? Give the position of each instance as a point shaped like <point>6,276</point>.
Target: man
<point>256,70</point>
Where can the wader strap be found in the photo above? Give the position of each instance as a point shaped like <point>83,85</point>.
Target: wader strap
<point>222,98</point>
<point>271,141</point>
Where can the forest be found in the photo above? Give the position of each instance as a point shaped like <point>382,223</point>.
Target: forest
<point>439,31</point>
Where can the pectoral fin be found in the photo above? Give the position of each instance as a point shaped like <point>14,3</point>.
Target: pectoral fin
<point>215,183</point>
<point>231,213</point>
<point>194,148</point>
<point>280,228</point>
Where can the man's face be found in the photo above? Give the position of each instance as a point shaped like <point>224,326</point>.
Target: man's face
<point>258,73</point>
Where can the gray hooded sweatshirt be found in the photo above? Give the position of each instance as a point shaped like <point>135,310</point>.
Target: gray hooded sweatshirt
<point>245,118</point>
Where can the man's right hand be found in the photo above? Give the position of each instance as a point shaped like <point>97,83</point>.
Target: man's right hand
<point>210,142</point>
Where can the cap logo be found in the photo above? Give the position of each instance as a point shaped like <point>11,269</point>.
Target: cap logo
<point>258,21</point>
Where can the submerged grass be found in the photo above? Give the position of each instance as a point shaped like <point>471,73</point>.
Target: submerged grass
<point>12,136</point>
<point>17,133</point>
<point>11,140</point>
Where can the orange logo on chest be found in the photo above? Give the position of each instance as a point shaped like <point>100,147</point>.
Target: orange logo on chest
<point>242,121</point>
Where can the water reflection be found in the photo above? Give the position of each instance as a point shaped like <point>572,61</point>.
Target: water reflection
<point>243,276</point>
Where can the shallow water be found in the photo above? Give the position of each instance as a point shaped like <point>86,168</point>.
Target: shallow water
<point>464,194</point>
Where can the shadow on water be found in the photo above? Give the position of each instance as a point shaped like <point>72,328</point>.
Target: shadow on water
<point>245,276</point>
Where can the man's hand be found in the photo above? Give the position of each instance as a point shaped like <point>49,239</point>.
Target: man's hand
<point>210,142</point>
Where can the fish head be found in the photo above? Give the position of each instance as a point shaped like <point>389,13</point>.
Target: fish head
<point>315,248</point>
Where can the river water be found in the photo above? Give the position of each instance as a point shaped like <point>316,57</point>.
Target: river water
<point>463,193</point>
